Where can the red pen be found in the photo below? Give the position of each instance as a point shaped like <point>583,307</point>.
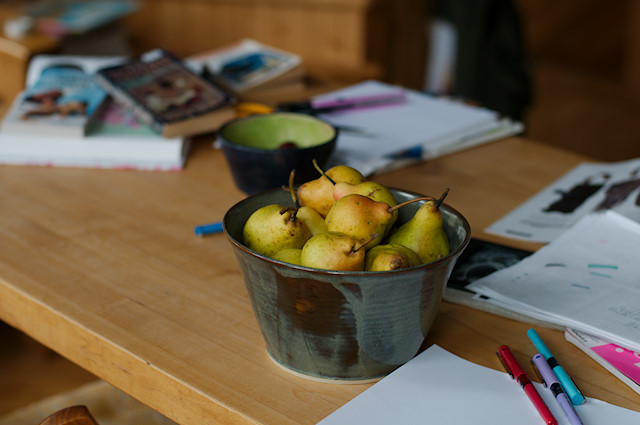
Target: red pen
<point>517,372</point>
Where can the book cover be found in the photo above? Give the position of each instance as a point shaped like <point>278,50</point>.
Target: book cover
<point>165,94</point>
<point>115,140</point>
<point>248,65</point>
<point>623,363</point>
<point>61,97</point>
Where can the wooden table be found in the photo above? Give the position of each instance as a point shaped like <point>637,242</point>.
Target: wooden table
<point>103,267</point>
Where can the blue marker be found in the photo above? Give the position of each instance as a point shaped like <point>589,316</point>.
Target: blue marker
<point>207,229</point>
<point>567,383</point>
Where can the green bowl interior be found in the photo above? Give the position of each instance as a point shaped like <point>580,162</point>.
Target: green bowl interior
<point>272,130</point>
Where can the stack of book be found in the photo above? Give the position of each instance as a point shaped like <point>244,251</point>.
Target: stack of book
<point>135,113</point>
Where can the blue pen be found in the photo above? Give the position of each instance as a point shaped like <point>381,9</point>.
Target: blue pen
<point>567,383</point>
<point>550,381</point>
<point>208,229</point>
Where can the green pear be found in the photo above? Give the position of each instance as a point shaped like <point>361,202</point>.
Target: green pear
<point>390,257</point>
<point>313,220</point>
<point>333,251</point>
<point>318,193</point>
<point>424,233</point>
<point>360,217</point>
<point>289,255</point>
<point>273,228</point>
<point>371,189</point>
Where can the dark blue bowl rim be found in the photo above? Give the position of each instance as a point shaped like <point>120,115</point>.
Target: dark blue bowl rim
<point>251,149</point>
<point>454,253</point>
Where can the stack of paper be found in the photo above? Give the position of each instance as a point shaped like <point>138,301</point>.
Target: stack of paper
<point>437,387</point>
<point>586,279</point>
<point>422,128</point>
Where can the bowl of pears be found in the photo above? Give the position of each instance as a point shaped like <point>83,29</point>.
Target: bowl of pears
<point>344,275</point>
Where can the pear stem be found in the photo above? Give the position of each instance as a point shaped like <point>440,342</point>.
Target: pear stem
<point>357,246</point>
<point>292,210</point>
<point>444,195</point>
<point>321,171</point>
<point>411,201</point>
<point>292,192</point>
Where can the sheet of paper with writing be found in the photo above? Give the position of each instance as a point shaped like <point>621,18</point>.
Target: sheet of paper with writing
<point>437,387</point>
<point>585,279</point>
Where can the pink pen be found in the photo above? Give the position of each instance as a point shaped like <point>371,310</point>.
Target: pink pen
<point>350,103</point>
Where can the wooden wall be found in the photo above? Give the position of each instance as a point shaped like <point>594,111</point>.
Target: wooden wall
<point>347,39</point>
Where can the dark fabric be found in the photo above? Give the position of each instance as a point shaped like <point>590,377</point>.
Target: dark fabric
<point>492,65</point>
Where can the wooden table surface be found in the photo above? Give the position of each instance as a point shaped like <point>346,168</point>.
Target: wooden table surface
<point>103,267</point>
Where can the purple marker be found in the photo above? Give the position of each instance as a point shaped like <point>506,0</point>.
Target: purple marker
<point>550,381</point>
<point>350,103</point>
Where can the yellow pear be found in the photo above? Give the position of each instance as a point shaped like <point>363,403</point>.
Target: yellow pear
<point>313,220</point>
<point>333,251</point>
<point>371,189</point>
<point>360,217</point>
<point>273,228</point>
<point>424,233</point>
<point>318,193</point>
<point>289,255</point>
<point>390,257</point>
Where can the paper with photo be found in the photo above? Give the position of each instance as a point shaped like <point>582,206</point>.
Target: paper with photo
<point>437,387</point>
<point>586,188</point>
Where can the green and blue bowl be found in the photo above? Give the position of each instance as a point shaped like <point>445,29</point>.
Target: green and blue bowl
<point>343,326</point>
<point>252,148</point>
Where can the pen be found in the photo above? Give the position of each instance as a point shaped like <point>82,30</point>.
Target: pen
<point>345,103</point>
<point>567,383</point>
<point>550,381</point>
<point>516,372</point>
<point>208,229</point>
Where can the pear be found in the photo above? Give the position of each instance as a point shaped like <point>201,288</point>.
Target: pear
<point>314,221</point>
<point>289,255</point>
<point>390,257</point>
<point>424,233</point>
<point>333,251</point>
<point>318,193</point>
<point>371,189</point>
<point>360,217</point>
<point>273,228</point>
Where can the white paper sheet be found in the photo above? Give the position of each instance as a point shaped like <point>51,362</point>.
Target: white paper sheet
<point>586,279</point>
<point>439,388</point>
